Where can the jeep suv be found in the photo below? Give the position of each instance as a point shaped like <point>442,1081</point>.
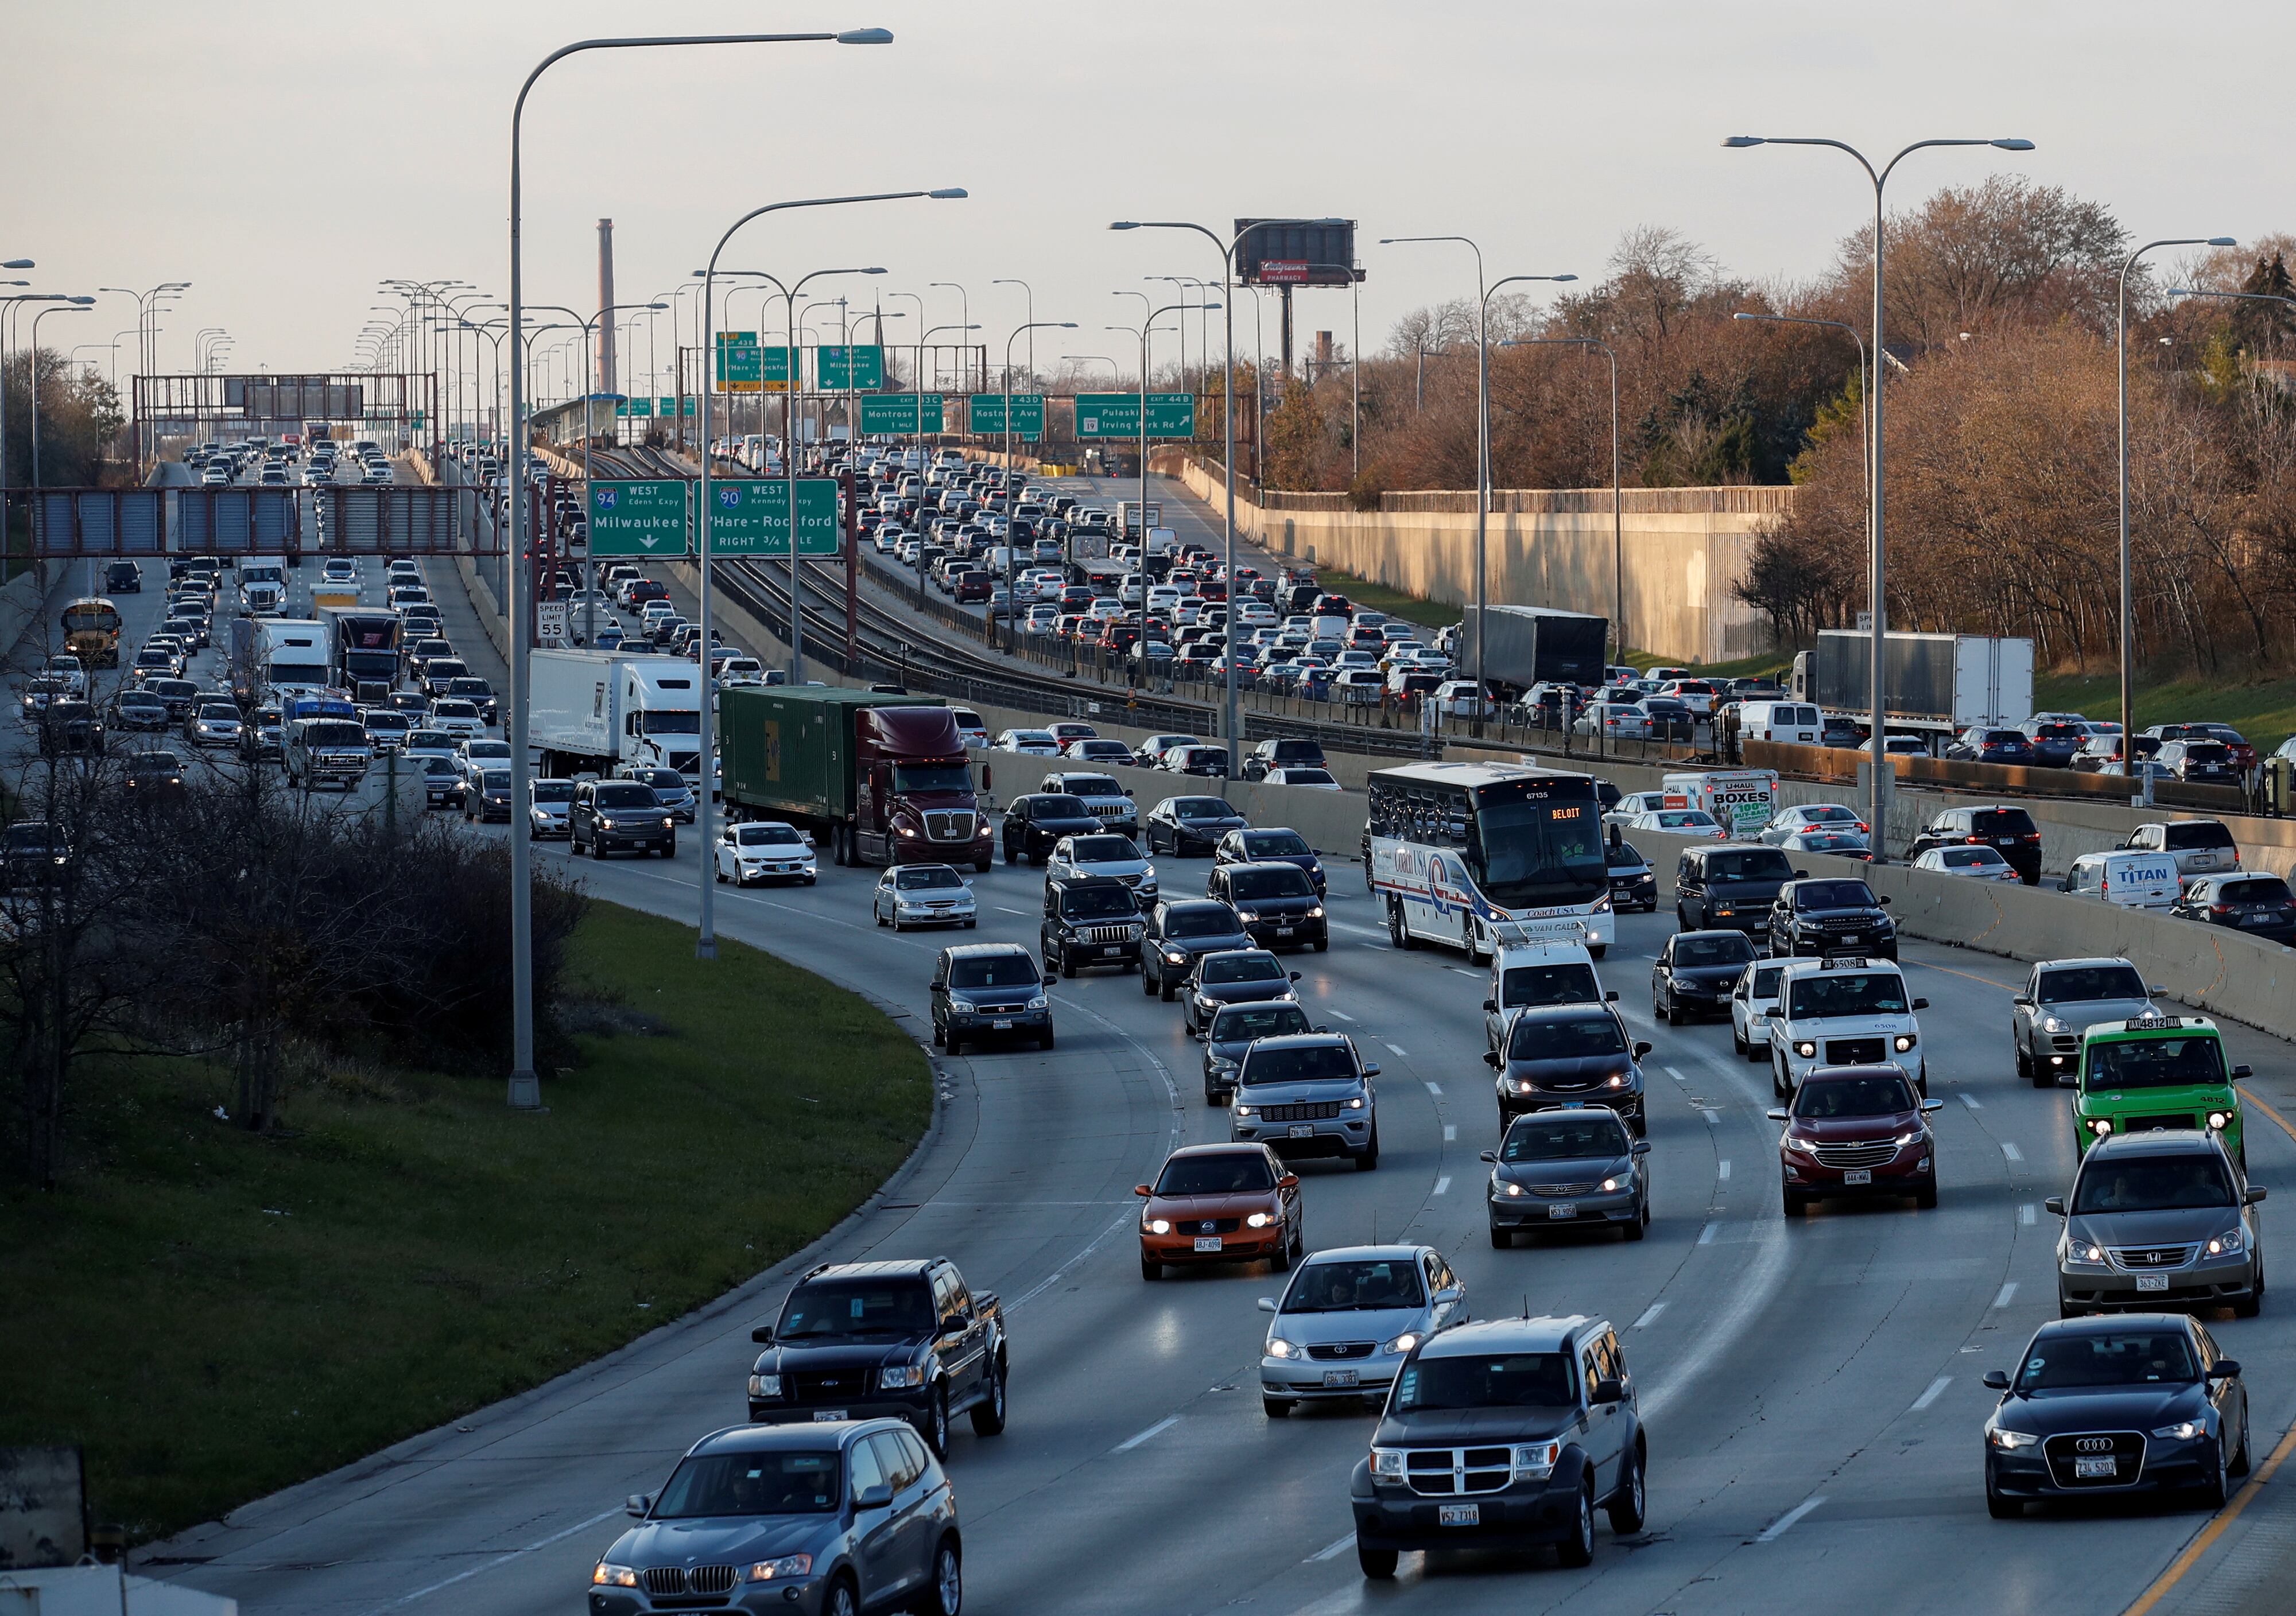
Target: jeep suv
<point>1090,920</point>
<point>1503,1434</point>
<point>1828,915</point>
<point>1844,1011</point>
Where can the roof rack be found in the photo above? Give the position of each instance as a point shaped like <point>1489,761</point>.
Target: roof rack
<point>1560,927</point>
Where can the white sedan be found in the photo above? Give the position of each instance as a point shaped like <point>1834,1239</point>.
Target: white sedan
<point>1031,743</point>
<point>1681,821</point>
<point>1984,863</point>
<point>1316,779</point>
<point>1812,817</point>
<point>923,895</point>
<point>762,850</point>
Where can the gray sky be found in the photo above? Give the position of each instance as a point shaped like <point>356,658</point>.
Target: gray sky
<point>284,158</point>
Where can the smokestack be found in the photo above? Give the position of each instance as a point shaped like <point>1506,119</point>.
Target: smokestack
<point>606,301</point>
<point>1323,354</point>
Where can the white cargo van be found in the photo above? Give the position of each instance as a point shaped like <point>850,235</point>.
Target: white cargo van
<point>1537,962</point>
<point>1797,723</point>
<point>2131,879</point>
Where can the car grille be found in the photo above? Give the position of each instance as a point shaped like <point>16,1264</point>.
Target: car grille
<point>1103,933</point>
<point>1445,1473</point>
<point>1313,1111</point>
<point>695,1580</point>
<point>1111,810</point>
<point>2151,1256</point>
<point>1844,923</point>
<point>996,1009</point>
<point>949,825</point>
<point>1562,1190</point>
<point>2150,1125</point>
<point>1342,1350</point>
<point>1569,1085</point>
<point>1853,1052</point>
<point>2063,1043</point>
<point>1854,1156</point>
<point>828,1385</point>
<point>2126,1447</point>
<point>1206,1226</point>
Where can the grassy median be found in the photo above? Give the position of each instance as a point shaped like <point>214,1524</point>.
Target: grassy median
<point>215,1315</point>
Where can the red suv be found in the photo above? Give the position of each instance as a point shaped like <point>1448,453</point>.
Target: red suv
<point>1856,1131</point>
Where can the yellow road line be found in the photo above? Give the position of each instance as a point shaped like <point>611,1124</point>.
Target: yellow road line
<point>2241,1500</point>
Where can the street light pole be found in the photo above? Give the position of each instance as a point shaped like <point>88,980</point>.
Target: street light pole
<point>1028,292</point>
<point>965,316</point>
<point>1012,613</point>
<point>32,383</point>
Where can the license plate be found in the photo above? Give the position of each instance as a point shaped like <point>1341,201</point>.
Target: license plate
<point>1343,1377</point>
<point>1563,1209</point>
<point>1207,1243</point>
<point>2256,919</point>
<point>1462,1514</point>
<point>2008,841</point>
<point>1113,951</point>
<point>820,1415</point>
<point>1000,1026</point>
<point>1858,1175</point>
<point>1300,1130</point>
<point>2084,1469</point>
<point>2152,1282</point>
<point>1283,931</point>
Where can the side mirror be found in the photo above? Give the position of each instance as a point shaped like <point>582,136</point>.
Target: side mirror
<point>1489,1155</point>
<point>1640,1148</point>
<point>1491,1059</point>
<point>1641,1045</point>
<point>1371,1068</point>
<point>2022,1002</point>
<point>1929,1105</point>
<point>1611,996</point>
<point>2055,1205</point>
<point>1801,875</point>
<point>1290,1180</point>
<point>2255,1193</point>
<point>1776,1113</point>
<point>1997,1380</point>
<point>637,1504</point>
<point>874,1496</point>
<point>763,1335</point>
<point>2156,987</point>
<point>1295,975</point>
<point>1609,1388</point>
<point>1490,1007</point>
<point>2240,1072</point>
<point>1141,1189</point>
<point>1921,1004</point>
<point>1883,900</point>
<point>954,1326</point>
<point>1267,1304</point>
<point>1052,979</point>
<point>1323,1029</point>
<point>2225,1368</point>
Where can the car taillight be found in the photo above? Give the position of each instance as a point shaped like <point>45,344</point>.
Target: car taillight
<point>2219,909</point>
<point>1976,840</point>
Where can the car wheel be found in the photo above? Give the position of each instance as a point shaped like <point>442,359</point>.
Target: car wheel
<point>2000,1507</point>
<point>2212,1490</point>
<point>1638,1226</point>
<point>1797,1204</point>
<point>1502,1239</point>
<point>1149,1268</point>
<point>1369,1161</point>
<point>1165,991</point>
<point>1577,1549</point>
<point>936,1432</point>
<point>1778,1080</point>
<point>1323,942</point>
<point>2252,1304</point>
<point>1378,1564</point>
<point>1068,965</point>
<point>951,1041</point>
<point>988,1413</point>
<point>940,1037</point>
<point>1276,1408</point>
<point>1659,1013</point>
<point>1681,919</point>
<point>1926,1197</point>
<point>2239,1464</point>
<point>878,914</point>
<point>1281,1262</point>
<point>1737,1044</point>
<point>1627,1504</point>
<point>980,867</point>
<point>1595,951</point>
<point>1044,1039</point>
<point>1147,982</point>
<point>1398,931</point>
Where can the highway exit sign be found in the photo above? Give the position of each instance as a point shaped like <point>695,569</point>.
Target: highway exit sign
<point>749,517</point>
<point>985,414</point>
<point>638,517</point>
<point>1118,415</point>
<point>897,412</point>
<point>837,370</point>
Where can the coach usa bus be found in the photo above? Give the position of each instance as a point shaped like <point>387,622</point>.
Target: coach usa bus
<point>1460,850</point>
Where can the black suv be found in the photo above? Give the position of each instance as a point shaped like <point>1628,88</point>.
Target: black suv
<point>1277,903</point>
<point>1824,916</point>
<point>1729,887</point>
<point>1034,823</point>
<point>2008,832</point>
<point>607,814</point>
<point>1282,755</point>
<point>903,1339</point>
<point>1090,920</point>
<point>1505,1434</point>
<point>1178,931</point>
<point>980,989</point>
<point>123,578</point>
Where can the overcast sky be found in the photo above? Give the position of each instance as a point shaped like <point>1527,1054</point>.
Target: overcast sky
<point>285,157</point>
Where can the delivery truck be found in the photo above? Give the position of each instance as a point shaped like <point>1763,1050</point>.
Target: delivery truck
<point>1522,646</point>
<point>591,711</point>
<point>271,657</point>
<point>877,778</point>
<point>1742,801</point>
<point>1945,682</point>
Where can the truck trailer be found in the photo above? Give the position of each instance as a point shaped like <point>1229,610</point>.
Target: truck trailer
<point>1929,681</point>
<point>591,711</point>
<point>883,780</point>
<point>1527,645</point>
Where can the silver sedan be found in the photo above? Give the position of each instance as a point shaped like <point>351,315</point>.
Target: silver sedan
<point>923,895</point>
<point>1347,1320</point>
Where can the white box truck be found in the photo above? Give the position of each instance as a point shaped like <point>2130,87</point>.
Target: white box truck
<point>590,711</point>
<point>1740,800</point>
<point>1929,681</point>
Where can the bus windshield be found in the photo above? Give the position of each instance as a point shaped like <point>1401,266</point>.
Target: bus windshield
<point>1529,851</point>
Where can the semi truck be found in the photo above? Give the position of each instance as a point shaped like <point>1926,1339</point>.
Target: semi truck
<point>262,585</point>
<point>366,651</point>
<point>1527,645</point>
<point>883,779</point>
<point>590,711</point>
<point>271,657</point>
<point>1945,682</point>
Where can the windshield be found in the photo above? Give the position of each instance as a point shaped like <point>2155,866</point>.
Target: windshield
<point>1201,920</point>
<point>1242,967</point>
<point>993,971</point>
<point>1830,841</point>
<point>333,734</point>
<point>1097,903</point>
<point>671,723</point>
<point>2152,1184</point>
<point>762,836</point>
<point>1755,864</point>
<point>907,880</point>
<point>917,779</point>
<point>660,779</point>
<point>751,1484</point>
<point>2257,889</point>
<point>1571,982</point>
<point>1527,852</point>
<point>1574,1038</point>
<point>1622,855</point>
<point>2120,1358</point>
<point>2153,1062</point>
<point>497,779</point>
<point>1092,785</point>
<point>453,709</point>
<point>1290,881</point>
<point>627,795</point>
<point>1103,850</point>
<point>1595,1137</point>
<point>1715,948</point>
<point>1298,1064</point>
<point>551,791</point>
<point>1846,993</point>
<point>1274,844</point>
<point>1342,1287</point>
<point>2090,982</point>
<point>884,1306</point>
<point>1884,1094</point>
<point>1246,1022</point>
<point>395,723</point>
<point>1833,895</point>
<point>1970,858</point>
<point>1229,1172</point>
<point>1487,1380</point>
<point>1202,808</point>
<point>2002,821</point>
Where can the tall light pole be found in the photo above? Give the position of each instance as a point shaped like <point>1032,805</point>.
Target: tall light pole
<point>1618,518</point>
<point>525,1088</point>
<point>964,315</point>
<point>1880,178</point>
<point>1029,293</point>
<point>706,944</point>
<point>8,306</point>
<point>1012,549</point>
<point>32,379</point>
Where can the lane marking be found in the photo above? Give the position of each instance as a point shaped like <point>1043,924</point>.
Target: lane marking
<point>1784,1523</point>
<point>1331,1551</point>
<point>1722,1170</point>
<point>1713,1117</point>
<point>1399,1049</point>
<point>1706,1236</point>
<point>2027,1214</point>
<point>2009,1148</point>
<point>1361,931</point>
<point>1648,1318</point>
<point>1450,1132</point>
<point>1001,909</point>
<point>1675,1073</point>
<point>1968,1099</point>
<point>1433,1088</point>
<point>1443,1185</point>
<point>1157,1429</point>
<point>1343,1014</point>
<point>2007,1295</point>
<point>422,1592</point>
<point>1462,970</point>
<point>1937,1389</point>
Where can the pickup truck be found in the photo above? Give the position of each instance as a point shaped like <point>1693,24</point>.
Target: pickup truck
<point>901,1339</point>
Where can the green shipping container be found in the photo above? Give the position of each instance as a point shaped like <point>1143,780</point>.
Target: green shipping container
<point>788,749</point>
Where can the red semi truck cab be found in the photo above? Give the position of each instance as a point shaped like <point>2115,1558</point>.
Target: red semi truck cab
<point>914,800</point>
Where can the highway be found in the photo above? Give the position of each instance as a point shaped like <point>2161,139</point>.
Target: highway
<point>1811,1392</point>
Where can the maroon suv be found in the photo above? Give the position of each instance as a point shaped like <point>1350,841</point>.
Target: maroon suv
<point>1856,1131</point>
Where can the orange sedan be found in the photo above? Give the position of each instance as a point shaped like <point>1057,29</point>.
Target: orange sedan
<point>1221,1203</point>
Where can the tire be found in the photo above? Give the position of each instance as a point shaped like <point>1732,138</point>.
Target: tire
<point>1377,1564</point>
<point>1044,1039</point>
<point>980,867</point>
<point>1369,1161</point>
<point>1397,933</point>
<point>1777,1081</point>
<point>1577,1549</point>
<point>1737,1044</point>
<point>1502,1239</point>
<point>1068,965</point>
<point>1281,1262</point>
<point>2239,1462</point>
<point>1149,1268</point>
<point>1276,1408</point>
<point>944,1593</point>
<point>1659,1013</point>
<point>1008,852</point>
<point>988,1414</point>
<point>1640,1225</point>
<point>598,851</point>
<point>952,1042</point>
<point>1926,1199</point>
<point>2252,1304</point>
<point>2212,1489</point>
<point>841,1600</point>
<point>1681,919</point>
<point>2001,1508</point>
<point>1322,942</point>
<point>1147,982</point>
<point>1797,1204</point>
<point>1165,991</point>
<point>2024,1061</point>
<point>1595,951</point>
<point>940,1037</point>
<point>1629,1504</point>
<point>936,1431</point>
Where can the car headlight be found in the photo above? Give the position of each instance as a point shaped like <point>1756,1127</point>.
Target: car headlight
<point>2228,1243</point>
<point>1386,1463</point>
<point>904,830</point>
<point>1261,1220</point>
<point>1315,912</point>
<point>1278,1347</point>
<point>1904,1041</point>
<point>666,822</point>
<point>765,1386</point>
<point>1247,915</point>
<point>2218,1119</point>
<point>1536,1462</point>
<point>1173,957</point>
<point>1611,1183</point>
<point>1355,1102</point>
<point>2100,1126</point>
<point>1038,1002</point>
<point>896,1377</point>
<point>2183,1430</point>
<point>1511,1188</point>
<point>2082,1253</point>
<point>1908,1138</point>
<point>613,1576</point>
<point>2050,1023</point>
<point>1805,1048</point>
<point>1218,1064</point>
<point>788,1568</point>
<point>1401,1343</point>
<point>1240,1110</point>
<point>2010,1441</point>
<point>1523,1085</point>
<point>1618,1080</point>
<point>1157,1226</point>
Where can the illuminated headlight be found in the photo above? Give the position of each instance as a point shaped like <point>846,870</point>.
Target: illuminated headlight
<point>1386,1463</point>
<point>2218,1119</point>
<point>1536,1462</point>
<point>1261,1220</point>
<point>1037,1003</point>
<point>1173,957</point>
<point>1511,1189</point>
<point>1401,1343</point>
<point>788,1568</point>
<point>2183,1430</point>
<point>2088,1256</point>
<point>613,1576</point>
<point>1618,1080</point>
<point>1157,1226</point>
<point>1278,1347</point>
<point>1356,1103</point>
<point>2050,1023</point>
<point>904,830</point>
<point>2009,1441</point>
<point>2100,1126</point>
<point>1904,1139</point>
<point>1805,1048</point>
<point>1316,913</point>
<point>2228,1243</point>
<point>1247,915</point>
<point>895,1377</point>
<point>1523,1085</point>
<point>1610,1184</point>
<point>667,823</point>
<point>765,1386</point>
<point>1603,904</point>
<point>1240,1110</point>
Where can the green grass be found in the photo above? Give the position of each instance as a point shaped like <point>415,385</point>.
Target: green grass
<point>1775,663</point>
<point>1378,597</point>
<point>2264,712</point>
<point>216,1316</point>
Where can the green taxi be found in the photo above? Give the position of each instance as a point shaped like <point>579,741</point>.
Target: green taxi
<point>2156,1071</point>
